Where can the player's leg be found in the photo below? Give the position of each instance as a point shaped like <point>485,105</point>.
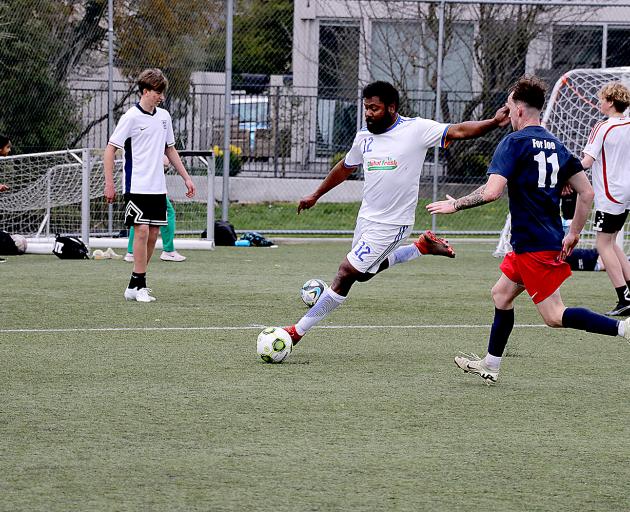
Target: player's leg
<point>137,288</point>
<point>607,226</point>
<point>503,294</point>
<point>427,243</point>
<point>154,231</point>
<point>168,236</point>
<point>129,256</point>
<point>556,314</point>
<point>372,244</point>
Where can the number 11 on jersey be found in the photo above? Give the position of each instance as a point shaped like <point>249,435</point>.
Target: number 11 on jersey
<point>542,161</point>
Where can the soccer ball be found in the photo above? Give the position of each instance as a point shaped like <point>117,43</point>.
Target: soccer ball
<point>312,290</point>
<point>20,242</point>
<point>274,345</point>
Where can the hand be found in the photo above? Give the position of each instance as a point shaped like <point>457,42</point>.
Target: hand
<point>190,186</point>
<point>502,116</point>
<point>568,244</point>
<point>447,206</point>
<point>3,187</point>
<point>306,202</point>
<point>110,192</point>
<point>567,190</point>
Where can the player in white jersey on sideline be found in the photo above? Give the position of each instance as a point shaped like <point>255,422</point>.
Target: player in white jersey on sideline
<point>391,149</point>
<point>607,154</point>
<point>145,132</point>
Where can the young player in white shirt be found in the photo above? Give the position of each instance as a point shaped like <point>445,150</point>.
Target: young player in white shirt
<point>391,149</point>
<point>145,132</point>
<point>607,154</point>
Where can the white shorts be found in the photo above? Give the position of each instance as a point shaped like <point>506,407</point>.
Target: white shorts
<point>373,242</point>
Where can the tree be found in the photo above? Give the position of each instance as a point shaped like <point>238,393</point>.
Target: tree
<point>39,48</point>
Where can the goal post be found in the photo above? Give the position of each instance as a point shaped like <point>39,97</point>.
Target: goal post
<point>62,192</point>
<point>572,110</point>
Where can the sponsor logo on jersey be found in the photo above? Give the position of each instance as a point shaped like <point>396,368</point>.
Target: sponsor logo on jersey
<point>386,164</point>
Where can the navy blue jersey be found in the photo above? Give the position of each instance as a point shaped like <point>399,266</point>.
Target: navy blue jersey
<point>536,165</point>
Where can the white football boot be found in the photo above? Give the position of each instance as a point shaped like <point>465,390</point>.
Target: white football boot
<point>472,363</point>
<point>139,295</point>
<point>129,257</point>
<point>626,332</point>
<point>172,256</point>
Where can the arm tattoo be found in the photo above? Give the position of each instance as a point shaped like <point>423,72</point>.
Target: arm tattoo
<point>471,200</point>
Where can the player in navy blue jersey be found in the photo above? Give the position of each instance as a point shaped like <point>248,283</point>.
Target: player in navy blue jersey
<point>535,166</point>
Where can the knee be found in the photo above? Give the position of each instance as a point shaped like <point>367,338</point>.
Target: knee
<point>141,231</point>
<point>501,301</point>
<point>554,319</point>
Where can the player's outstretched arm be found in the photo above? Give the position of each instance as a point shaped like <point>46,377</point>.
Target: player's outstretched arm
<point>583,187</point>
<point>337,175</point>
<point>490,191</point>
<point>173,157</point>
<point>473,129</point>
<point>108,168</point>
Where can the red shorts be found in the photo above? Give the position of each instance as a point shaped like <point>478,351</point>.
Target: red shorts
<point>541,273</point>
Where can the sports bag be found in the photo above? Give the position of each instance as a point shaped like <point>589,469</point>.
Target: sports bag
<point>224,233</point>
<point>70,248</point>
<point>256,239</point>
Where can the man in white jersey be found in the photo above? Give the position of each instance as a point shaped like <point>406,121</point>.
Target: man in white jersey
<point>145,133</point>
<point>391,149</point>
<point>607,154</point>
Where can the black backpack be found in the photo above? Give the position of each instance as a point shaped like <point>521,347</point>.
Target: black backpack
<point>7,245</point>
<point>224,233</point>
<point>70,248</point>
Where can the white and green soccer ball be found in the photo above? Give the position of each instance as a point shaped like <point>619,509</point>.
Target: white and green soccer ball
<point>274,345</point>
<point>311,291</point>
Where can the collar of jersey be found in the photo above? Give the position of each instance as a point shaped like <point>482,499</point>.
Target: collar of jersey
<point>398,121</point>
<point>144,111</point>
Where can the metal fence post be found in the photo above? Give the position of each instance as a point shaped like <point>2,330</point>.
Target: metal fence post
<point>85,197</point>
<point>438,106</point>
<point>227,122</point>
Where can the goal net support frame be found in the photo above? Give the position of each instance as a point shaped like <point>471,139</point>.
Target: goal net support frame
<point>571,112</point>
<point>62,192</point>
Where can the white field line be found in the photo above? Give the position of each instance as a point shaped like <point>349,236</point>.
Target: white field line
<point>252,327</point>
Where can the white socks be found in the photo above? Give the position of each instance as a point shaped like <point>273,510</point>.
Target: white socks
<point>492,362</point>
<point>621,328</point>
<point>328,302</point>
<point>403,254</point>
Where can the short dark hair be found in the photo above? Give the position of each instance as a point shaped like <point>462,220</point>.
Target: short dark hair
<point>531,90</point>
<point>385,91</point>
<point>152,79</point>
<point>4,140</point>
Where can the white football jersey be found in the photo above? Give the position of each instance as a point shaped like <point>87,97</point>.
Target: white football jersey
<point>609,145</point>
<point>144,137</point>
<point>392,164</point>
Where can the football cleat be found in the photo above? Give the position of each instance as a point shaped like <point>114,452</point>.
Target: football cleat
<point>139,294</point>
<point>129,257</point>
<point>295,337</point>
<point>621,309</point>
<point>172,256</point>
<point>429,243</point>
<point>472,363</point>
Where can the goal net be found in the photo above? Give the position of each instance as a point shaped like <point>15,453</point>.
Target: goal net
<point>62,192</point>
<point>572,110</point>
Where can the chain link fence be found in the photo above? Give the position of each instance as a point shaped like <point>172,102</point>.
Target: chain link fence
<point>294,74</point>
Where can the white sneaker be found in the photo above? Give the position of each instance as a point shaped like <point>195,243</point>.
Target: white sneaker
<point>128,257</point>
<point>172,256</point>
<point>472,363</point>
<point>139,295</point>
<point>112,255</point>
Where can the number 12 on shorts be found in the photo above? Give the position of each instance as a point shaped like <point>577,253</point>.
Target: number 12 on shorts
<point>362,250</point>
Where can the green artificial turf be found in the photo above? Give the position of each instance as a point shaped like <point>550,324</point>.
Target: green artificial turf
<point>108,405</point>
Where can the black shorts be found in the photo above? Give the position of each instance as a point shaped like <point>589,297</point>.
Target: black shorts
<point>608,222</point>
<point>145,209</point>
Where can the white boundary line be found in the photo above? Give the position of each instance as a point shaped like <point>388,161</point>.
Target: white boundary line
<point>252,327</point>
